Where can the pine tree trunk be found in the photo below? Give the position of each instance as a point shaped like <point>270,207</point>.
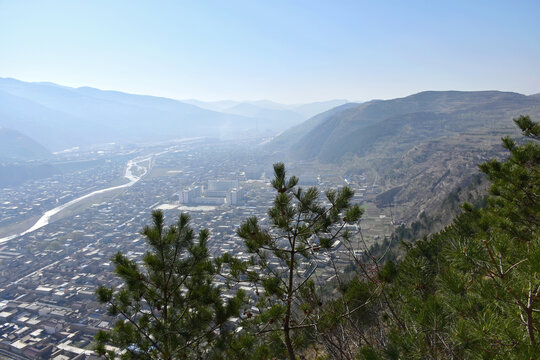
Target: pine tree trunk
<point>288,342</point>
<point>287,322</point>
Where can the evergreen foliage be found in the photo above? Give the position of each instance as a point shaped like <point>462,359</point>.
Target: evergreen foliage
<point>473,290</point>
<point>285,255</point>
<point>168,306</point>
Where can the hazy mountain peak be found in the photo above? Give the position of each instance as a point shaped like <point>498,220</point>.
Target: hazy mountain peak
<point>62,117</point>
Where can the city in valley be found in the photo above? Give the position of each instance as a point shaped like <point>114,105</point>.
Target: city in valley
<point>57,234</point>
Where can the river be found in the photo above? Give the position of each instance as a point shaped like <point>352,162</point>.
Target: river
<point>134,172</point>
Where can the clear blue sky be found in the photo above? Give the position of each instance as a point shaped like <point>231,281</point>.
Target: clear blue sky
<point>288,51</point>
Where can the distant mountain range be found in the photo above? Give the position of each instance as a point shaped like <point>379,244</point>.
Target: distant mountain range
<point>282,115</point>
<point>269,109</point>
<point>61,117</point>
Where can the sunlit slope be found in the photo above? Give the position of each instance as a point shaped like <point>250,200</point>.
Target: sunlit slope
<point>405,121</point>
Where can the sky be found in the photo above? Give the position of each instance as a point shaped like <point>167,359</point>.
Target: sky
<point>290,51</point>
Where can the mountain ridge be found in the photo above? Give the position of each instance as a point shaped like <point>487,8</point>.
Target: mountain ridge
<point>62,117</point>
<point>326,140</point>
<point>58,116</point>
<point>421,148</point>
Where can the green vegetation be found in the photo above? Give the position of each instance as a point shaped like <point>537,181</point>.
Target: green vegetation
<point>473,290</point>
<point>470,291</point>
<point>169,309</point>
<point>301,227</point>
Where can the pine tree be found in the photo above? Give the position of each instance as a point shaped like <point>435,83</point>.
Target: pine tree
<point>168,307</point>
<point>300,227</point>
<point>502,269</point>
<point>473,290</point>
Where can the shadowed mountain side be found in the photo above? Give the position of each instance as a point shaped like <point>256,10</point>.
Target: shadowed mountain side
<point>15,174</point>
<point>47,126</point>
<point>17,146</point>
<point>294,134</point>
<point>61,117</point>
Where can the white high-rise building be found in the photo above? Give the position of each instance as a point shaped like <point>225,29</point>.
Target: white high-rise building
<point>188,196</point>
<point>184,196</point>
<point>234,197</point>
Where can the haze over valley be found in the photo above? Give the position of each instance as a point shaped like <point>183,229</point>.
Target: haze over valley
<point>67,204</point>
<point>115,114</point>
<point>60,117</point>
